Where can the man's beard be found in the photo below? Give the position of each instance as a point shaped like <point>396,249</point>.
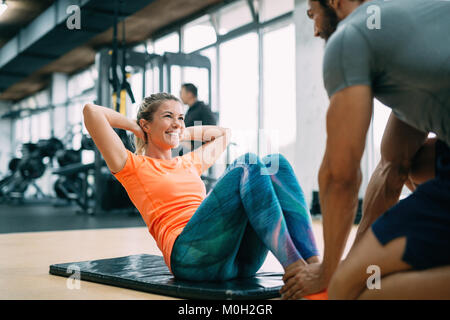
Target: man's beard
<point>330,22</point>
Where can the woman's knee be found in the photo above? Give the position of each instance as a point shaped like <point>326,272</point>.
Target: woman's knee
<point>248,159</point>
<point>276,161</point>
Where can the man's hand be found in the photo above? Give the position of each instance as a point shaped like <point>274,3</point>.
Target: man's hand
<point>302,280</point>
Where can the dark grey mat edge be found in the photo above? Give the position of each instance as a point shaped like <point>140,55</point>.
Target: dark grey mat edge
<point>169,290</point>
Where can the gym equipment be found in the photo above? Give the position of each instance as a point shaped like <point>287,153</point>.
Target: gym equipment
<point>26,170</point>
<point>73,184</point>
<point>149,273</point>
<point>87,143</point>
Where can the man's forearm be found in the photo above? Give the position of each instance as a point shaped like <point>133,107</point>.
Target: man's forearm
<point>338,202</point>
<point>383,191</point>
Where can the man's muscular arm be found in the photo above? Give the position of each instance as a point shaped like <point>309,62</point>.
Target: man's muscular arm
<point>399,145</point>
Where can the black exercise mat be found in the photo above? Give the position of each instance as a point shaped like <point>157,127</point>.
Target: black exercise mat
<point>149,273</point>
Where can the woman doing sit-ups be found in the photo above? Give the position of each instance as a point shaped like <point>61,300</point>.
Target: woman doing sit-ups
<point>257,205</point>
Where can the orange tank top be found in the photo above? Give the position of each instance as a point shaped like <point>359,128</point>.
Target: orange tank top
<point>166,193</point>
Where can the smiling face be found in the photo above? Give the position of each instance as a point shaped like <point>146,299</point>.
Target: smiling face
<point>167,125</point>
<point>325,19</point>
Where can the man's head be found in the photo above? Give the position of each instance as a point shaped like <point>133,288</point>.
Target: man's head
<point>325,19</point>
<point>188,93</point>
<point>343,8</point>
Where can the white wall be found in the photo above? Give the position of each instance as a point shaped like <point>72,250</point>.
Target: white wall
<point>312,103</point>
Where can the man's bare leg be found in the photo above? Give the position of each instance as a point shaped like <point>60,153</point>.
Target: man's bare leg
<point>427,284</point>
<point>350,279</point>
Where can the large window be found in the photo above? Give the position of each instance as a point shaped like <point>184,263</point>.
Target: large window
<point>239,91</point>
<point>169,43</point>
<point>279,92</point>
<point>233,16</point>
<point>270,9</point>
<point>198,34</point>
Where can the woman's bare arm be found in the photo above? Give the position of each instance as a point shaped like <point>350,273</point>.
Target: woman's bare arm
<point>216,138</point>
<point>99,122</point>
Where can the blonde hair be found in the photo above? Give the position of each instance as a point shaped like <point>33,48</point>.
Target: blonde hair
<point>146,110</point>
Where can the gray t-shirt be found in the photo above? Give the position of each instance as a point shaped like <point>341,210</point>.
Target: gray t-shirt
<point>406,61</point>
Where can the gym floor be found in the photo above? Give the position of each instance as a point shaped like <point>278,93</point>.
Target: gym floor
<point>34,237</point>
<point>44,217</point>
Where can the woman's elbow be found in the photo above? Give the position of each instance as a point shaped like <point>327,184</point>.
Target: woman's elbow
<point>88,107</point>
<point>88,112</point>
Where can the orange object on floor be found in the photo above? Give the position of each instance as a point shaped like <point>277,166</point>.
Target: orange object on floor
<point>318,296</point>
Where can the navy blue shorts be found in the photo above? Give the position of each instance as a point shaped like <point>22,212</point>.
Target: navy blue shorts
<point>423,217</point>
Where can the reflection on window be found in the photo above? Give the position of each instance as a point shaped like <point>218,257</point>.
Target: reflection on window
<point>270,9</point>
<point>198,34</point>
<point>169,43</point>
<point>239,92</point>
<point>279,92</point>
<point>233,16</point>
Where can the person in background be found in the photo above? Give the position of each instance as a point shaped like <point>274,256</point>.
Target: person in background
<point>198,111</point>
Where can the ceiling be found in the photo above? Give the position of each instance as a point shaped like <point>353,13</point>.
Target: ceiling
<point>18,15</point>
<point>63,50</point>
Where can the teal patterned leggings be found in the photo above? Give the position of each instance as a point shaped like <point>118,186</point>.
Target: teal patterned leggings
<point>257,205</point>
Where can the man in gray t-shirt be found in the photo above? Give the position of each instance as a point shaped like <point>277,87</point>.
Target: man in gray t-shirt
<point>401,49</point>
<point>397,51</point>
